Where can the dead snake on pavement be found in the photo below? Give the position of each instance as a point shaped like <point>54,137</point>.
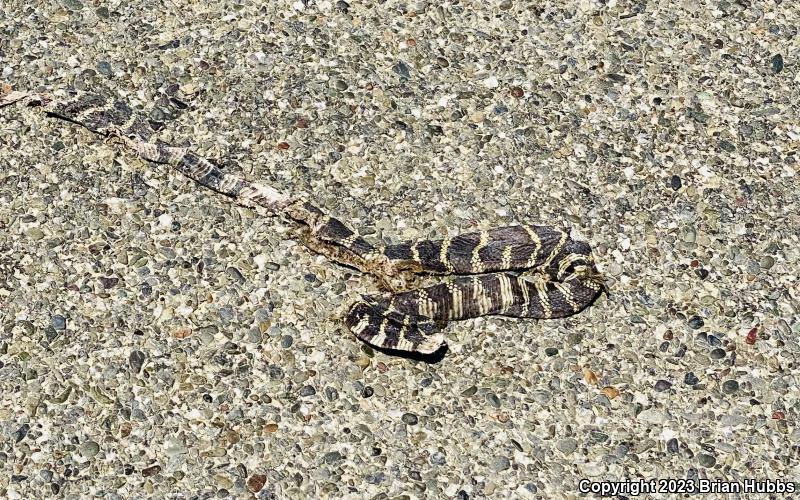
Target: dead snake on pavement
<point>521,271</point>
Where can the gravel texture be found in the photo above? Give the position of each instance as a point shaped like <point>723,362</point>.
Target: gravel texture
<point>157,340</point>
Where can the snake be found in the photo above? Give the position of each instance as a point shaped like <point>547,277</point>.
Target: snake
<point>520,271</point>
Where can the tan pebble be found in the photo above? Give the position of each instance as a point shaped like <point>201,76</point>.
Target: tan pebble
<point>125,429</point>
<point>232,437</point>
<point>589,376</point>
<point>611,392</point>
<point>182,332</point>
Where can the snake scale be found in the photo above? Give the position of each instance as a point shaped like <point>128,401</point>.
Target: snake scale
<point>521,271</point>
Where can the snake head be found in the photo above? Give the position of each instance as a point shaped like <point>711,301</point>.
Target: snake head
<point>590,273</point>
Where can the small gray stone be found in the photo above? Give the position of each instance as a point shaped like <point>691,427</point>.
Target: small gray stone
<point>690,379</point>
<point>108,281</point>
<point>567,445</point>
<point>287,341</point>
<point>542,397</point>
<point>777,63</point>
<point>104,68</point>
<point>500,464</point>
<point>401,69</point>
<point>175,446</point>
<point>157,115</point>
<point>332,457</point>
<point>89,449</point>
<point>469,391</point>
<point>410,418</point>
<point>652,416</point>
<point>662,385</point>
<point>59,322</point>
<point>672,445</point>
<point>696,322</point>
<point>493,400</point>
<point>254,336</point>
<point>50,333</point>
<point>438,458</point>
<point>226,314</point>
<point>331,393</point>
<point>136,360</point>
<point>707,460</point>
<point>725,447</point>
<point>376,478</point>
<point>235,274</point>
<point>20,433</point>
<point>730,386</point>
<point>574,338</point>
<point>73,5</point>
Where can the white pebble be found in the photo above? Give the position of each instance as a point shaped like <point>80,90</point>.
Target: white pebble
<point>491,82</point>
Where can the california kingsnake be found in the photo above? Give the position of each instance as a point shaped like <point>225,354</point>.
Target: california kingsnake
<point>521,271</point>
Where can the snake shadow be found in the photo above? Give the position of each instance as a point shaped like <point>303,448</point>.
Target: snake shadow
<point>431,358</point>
